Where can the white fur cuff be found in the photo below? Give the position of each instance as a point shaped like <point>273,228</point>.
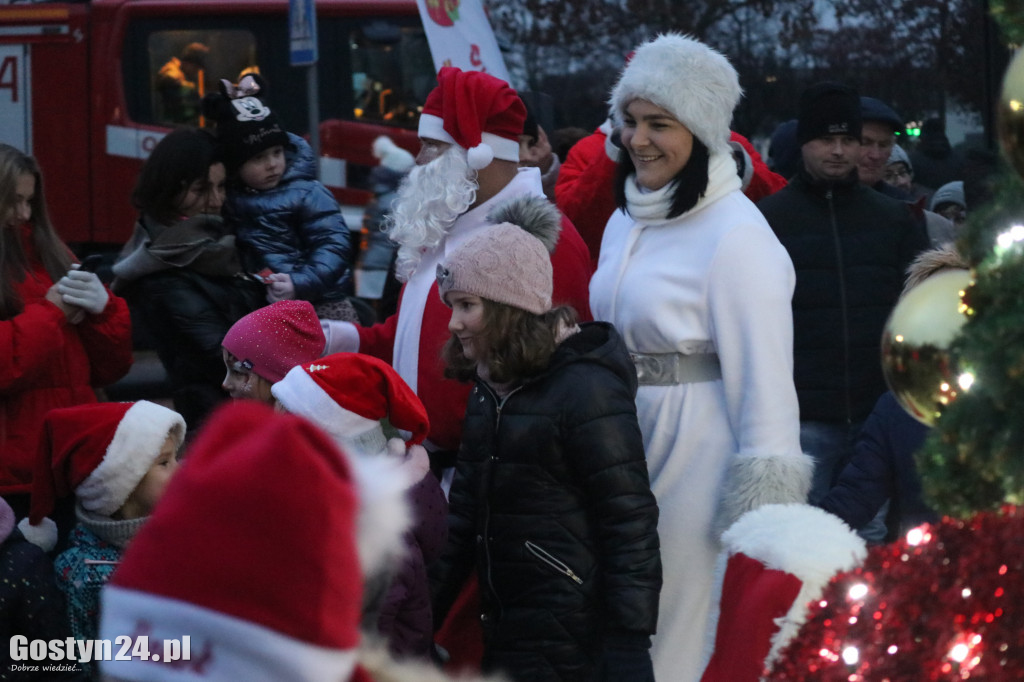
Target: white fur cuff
<point>756,480</point>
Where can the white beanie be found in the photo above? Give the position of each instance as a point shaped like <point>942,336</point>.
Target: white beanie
<point>695,83</point>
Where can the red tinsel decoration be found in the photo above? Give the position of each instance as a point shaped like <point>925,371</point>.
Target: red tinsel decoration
<point>947,604</point>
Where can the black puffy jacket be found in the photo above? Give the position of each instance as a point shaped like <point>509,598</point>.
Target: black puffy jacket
<point>295,228</point>
<point>187,315</point>
<point>551,502</point>
<point>850,247</point>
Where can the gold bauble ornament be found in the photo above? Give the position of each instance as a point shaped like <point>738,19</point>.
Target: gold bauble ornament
<point>1011,113</point>
<point>916,360</point>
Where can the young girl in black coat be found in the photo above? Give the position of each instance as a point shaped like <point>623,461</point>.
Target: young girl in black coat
<point>551,501</point>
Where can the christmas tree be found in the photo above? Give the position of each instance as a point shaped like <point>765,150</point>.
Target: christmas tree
<point>947,602</point>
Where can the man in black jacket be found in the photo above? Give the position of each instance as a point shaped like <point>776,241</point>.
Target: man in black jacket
<point>850,247</point>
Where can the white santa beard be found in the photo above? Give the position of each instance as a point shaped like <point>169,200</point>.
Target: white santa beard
<point>429,202</point>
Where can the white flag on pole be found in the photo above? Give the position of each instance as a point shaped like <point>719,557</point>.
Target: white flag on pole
<point>460,35</point>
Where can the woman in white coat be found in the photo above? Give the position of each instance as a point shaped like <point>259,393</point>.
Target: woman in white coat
<point>698,285</point>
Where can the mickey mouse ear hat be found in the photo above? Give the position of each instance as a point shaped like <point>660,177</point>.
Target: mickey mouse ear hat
<point>245,122</point>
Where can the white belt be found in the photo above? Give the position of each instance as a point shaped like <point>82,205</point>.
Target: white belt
<point>667,369</point>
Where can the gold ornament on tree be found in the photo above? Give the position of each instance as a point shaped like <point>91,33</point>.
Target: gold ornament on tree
<point>1011,113</point>
<point>916,359</point>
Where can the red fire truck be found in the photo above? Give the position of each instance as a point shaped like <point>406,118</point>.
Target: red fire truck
<point>80,90</point>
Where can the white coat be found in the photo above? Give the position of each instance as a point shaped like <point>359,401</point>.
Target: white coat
<point>715,279</point>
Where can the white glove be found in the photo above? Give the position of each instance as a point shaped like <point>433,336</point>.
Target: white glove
<point>342,337</point>
<point>280,287</point>
<point>85,290</point>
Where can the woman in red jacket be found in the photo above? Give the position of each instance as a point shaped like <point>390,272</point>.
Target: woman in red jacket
<point>61,332</point>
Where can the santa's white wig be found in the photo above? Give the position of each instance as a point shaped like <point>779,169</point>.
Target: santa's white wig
<point>430,199</point>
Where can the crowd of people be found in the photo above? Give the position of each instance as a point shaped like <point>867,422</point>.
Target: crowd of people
<point>568,417</point>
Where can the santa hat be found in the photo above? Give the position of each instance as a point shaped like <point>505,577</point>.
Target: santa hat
<point>693,82</point>
<point>273,339</point>
<point>391,155</point>
<point>99,452</point>
<point>477,112</point>
<point>252,553</point>
<point>347,394</point>
<point>776,560</point>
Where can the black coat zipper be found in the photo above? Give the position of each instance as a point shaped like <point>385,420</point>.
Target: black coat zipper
<point>844,305</point>
<point>553,561</point>
<point>486,538</point>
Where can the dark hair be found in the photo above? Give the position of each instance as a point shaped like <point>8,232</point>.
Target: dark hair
<point>518,343</point>
<point>691,181</point>
<point>182,157</point>
<point>14,266</point>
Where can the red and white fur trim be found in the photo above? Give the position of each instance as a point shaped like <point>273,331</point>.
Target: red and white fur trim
<point>301,395</point>
<point>137,442</point>
<point>799,539</point>
<point>432,127</point>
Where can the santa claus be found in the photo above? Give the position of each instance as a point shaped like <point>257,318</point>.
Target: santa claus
<point>467,173</point>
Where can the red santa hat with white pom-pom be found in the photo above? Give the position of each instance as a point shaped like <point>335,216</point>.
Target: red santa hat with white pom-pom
<point>98,452</point>
<point>255,552</point>
<point>476,111</point>
<point>347,394</point>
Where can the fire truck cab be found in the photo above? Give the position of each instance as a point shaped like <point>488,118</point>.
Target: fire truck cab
<point>87,88</point>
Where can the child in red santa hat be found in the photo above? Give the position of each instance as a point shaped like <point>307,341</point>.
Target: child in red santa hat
<point>348,395</point>
<point>261,347</point>
<point>116,458</point>
<point>254,554</point>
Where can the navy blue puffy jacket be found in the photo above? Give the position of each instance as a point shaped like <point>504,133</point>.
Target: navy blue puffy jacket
<point>295,228</point>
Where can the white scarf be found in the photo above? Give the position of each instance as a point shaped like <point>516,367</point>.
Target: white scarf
<point>652,206</point>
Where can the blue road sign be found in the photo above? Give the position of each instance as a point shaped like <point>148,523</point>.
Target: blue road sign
<point>302,32</point>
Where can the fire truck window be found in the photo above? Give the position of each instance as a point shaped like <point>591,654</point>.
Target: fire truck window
<point>392,73</point>
<point>185,65</point>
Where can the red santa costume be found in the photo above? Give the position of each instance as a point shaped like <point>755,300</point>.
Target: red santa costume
<point>478,115</point>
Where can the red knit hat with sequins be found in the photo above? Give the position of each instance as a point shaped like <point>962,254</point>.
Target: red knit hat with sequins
<point>272,340</point>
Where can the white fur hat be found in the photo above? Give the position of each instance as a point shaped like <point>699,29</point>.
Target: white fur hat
<point>695,83</point>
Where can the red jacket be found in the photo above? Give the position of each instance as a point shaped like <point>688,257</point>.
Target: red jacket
<point>445,399</point>
<point>45,362</point>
